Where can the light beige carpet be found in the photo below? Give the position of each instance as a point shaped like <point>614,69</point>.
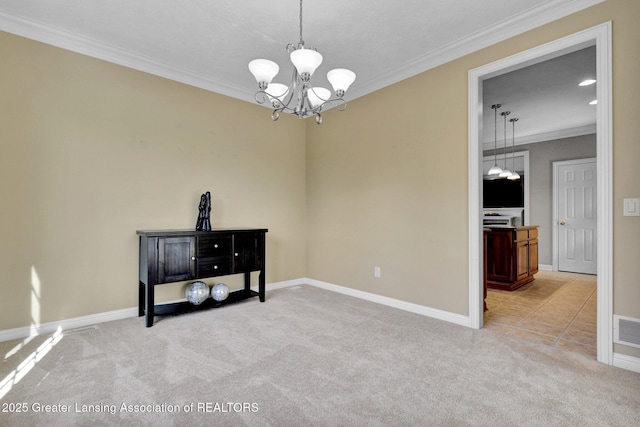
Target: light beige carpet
<point>307,357</point>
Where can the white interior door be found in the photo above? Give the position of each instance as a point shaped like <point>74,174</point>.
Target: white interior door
<point>575,197</point>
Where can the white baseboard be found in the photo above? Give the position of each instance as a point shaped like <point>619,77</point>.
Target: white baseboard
<point>458,319</point>
<point>66,324</point>
<point>629,363</point>
<point>545,267</point>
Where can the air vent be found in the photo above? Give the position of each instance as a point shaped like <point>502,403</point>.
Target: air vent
<point>626,330</point>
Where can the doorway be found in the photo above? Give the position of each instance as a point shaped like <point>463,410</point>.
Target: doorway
<point>600,36</point>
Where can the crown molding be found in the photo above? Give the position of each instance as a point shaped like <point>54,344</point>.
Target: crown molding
<point>89,47</point>
<point>534,17</point>
<point>545,136</point>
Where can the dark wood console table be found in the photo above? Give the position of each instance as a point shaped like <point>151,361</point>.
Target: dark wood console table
<point>168,256</point>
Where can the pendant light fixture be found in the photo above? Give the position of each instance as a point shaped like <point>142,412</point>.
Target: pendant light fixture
<point>514,175</point>
<point>299,97</point>
<point>506,173</point>
<point>495,169</point>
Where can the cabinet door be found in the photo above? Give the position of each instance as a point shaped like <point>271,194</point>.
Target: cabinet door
<point>533,256</point>
<point>499,255</point>
<point>522,260</point>
<point>176,259</point>
<point>245,249</point>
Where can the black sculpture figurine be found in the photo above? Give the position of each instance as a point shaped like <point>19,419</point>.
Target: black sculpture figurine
<point>204,223</point>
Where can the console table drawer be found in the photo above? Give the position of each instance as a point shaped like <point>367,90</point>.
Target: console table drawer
<point>213,246</point>
<point>208,267</point>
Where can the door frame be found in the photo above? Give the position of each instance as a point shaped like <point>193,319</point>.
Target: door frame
<point>555,238</point>
<point>600,36</point>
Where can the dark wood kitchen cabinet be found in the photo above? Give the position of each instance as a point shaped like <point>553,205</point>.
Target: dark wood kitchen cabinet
<point>168,256</point>
<point>511,256</point>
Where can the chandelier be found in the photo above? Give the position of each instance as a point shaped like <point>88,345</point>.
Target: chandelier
<point>300,97</point>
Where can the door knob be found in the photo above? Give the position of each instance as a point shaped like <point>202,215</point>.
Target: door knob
<point>562,223</point>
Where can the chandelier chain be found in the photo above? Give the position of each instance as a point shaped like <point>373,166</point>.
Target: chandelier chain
<point>301,41</point>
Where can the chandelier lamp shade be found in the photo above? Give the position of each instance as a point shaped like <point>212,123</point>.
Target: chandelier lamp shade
<point>495,169</point>
<point>300,97</point>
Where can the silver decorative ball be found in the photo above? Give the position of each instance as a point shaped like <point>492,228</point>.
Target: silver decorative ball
<point>197,292</point>
<point>220,292</point>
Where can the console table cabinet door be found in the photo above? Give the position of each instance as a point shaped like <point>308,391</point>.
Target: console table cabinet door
<point>176,259</point>
<point>245,252</point>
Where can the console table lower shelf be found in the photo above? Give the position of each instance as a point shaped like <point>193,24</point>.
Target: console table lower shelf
<point>186,307</point>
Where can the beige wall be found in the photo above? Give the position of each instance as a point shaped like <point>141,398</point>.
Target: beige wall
<point>92,151</point>
<point>387,179</point>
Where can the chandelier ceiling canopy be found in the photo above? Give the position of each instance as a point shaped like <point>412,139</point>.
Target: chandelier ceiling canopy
<point>299,97</point>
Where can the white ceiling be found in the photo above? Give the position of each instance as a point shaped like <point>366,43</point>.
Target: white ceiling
<point>545,98</point>
<point>208,43</point>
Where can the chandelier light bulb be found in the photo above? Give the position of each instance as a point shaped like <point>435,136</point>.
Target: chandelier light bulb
<point>264,71</point>
<point>514,176</point>
<point>340,80</point>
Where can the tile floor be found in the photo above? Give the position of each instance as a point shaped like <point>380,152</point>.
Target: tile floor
<point>558,309</point>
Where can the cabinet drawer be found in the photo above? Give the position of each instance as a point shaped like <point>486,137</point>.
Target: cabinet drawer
<point>213,246</point>
<point>208,267</point>
<point>533,233</point>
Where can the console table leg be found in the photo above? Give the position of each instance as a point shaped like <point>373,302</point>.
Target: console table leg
<point>141,298</point>
<point>261,286</point>
<point>149,302</point>
<point>247,281</point>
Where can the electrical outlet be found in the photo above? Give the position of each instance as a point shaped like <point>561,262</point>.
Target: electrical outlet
<point>376,271</point>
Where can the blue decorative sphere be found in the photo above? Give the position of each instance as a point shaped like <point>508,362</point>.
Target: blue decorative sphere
<point>220,292</point>
<point>197,292</point>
